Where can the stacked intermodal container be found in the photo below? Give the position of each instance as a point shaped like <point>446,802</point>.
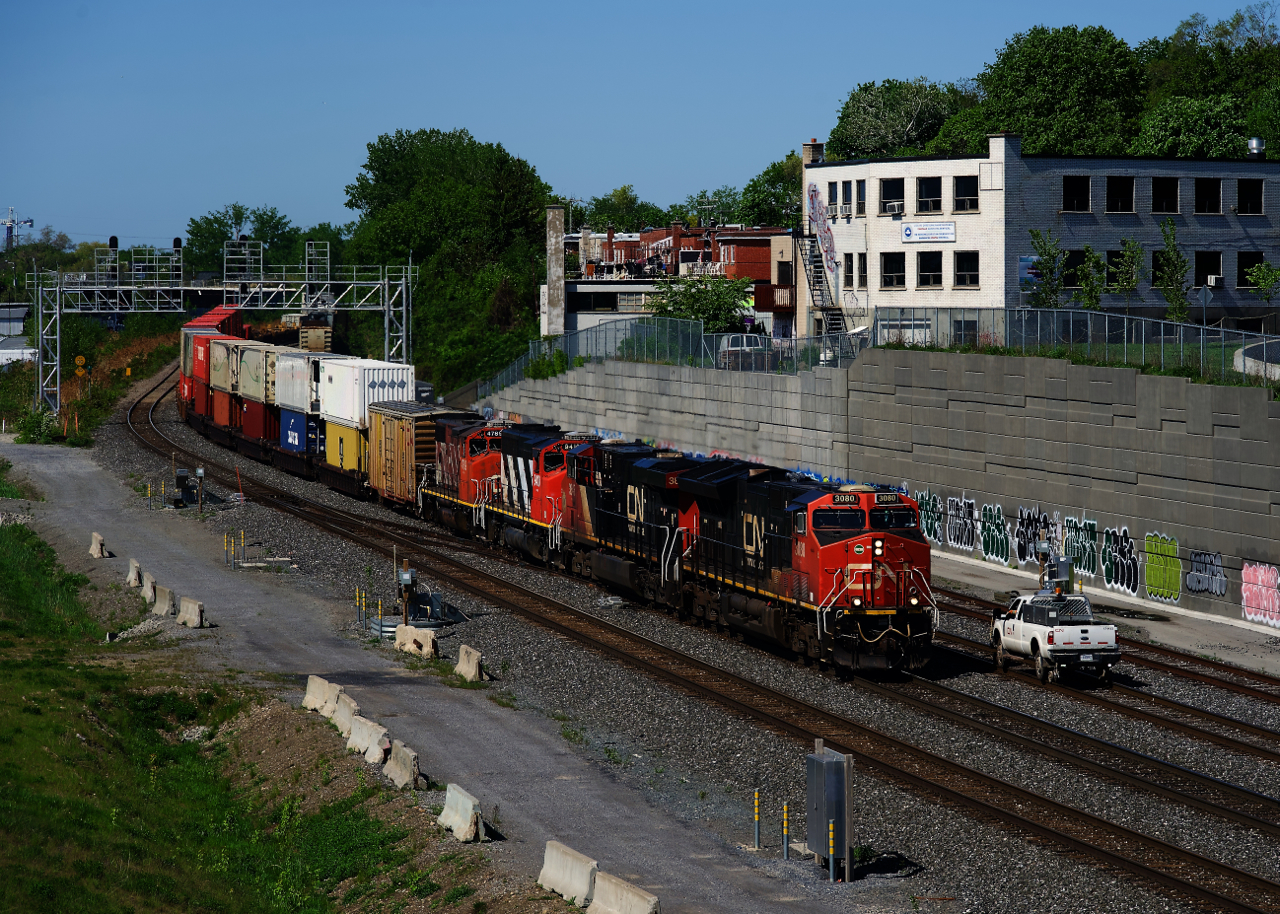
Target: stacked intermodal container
<point>347,387</point>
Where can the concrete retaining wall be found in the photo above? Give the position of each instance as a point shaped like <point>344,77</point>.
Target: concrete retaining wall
<point>1161,489</point>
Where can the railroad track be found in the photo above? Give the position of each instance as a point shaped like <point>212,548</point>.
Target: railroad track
<point>1140,653</point>
<point>1177,871</point>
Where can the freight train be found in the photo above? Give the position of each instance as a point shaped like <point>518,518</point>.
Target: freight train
<point>837,574</point>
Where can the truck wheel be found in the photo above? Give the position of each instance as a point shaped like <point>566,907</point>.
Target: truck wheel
<point>1002,658</point>
<point>1042,667</point>
<point>1104,673</point>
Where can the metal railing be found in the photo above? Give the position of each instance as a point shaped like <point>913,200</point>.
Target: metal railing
<point>1110,339</point>
<point>670,341</point>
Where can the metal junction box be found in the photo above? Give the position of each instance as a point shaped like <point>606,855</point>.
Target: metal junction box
<point>826,773</point>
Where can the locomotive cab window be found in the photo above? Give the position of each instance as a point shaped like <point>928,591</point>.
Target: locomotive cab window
<point>839,519</point>
<point>478,446</point>
<point>800,523</point>
<point>551,461</point>
<point>893,519</point>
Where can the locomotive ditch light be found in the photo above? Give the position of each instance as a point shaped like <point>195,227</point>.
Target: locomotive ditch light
<point>915,602</point>
<point>857,601</point>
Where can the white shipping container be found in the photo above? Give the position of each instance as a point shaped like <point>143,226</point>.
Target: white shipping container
<point>189,345</point>
<point>258,373</point>
<point>298,379</point>
<point>349,387</point>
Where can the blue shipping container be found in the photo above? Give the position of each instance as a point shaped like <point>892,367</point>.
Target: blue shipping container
<point>293,431</point>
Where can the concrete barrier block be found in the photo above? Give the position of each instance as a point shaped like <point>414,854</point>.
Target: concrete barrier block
<point>568,873</point>
<point>134,578</point>
<point>402,769</point>
<point>469,665</point>
<point>420,642</point>
<point>97,546</point>
<point>148,587</point>
<point>344,712</point>
<point>191,613</point>
<point>362,733</point>
<point>461,813</point>
<point>164,602</point>
<point>317,689</point>
<point>616,896</point>
<point>380,748</point>
<point>332,693</point>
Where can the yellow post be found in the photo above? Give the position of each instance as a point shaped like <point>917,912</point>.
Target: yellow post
<point>786,837</point>
<point>831,846</point>
<point>242,545</point>
<point>757,820</point>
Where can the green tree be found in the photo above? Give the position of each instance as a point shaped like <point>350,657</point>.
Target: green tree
<point>473,217</point>
<point>278,235</point>
<point>206,235</point>
<point>773,196</point>
<point>1047,292</point>
<point>1265,280</point>
<point>717,301</point>
<point>964,133</point>
<point>1170,274</point>
<point>623,209</point>
<point>1189,128</point>
<point>890,118</point>
<point>1129,271</point>
<point>1091,277</point>
<point>723,205</point>
<point>1069,91</point>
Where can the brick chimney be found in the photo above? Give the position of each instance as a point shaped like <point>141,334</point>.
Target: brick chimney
<point>608,244</point>
<point>811,152</point>
<point>677,230</point>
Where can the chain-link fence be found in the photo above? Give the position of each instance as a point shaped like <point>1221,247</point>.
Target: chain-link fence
<point>671,341</point>
<point>1212,353</point>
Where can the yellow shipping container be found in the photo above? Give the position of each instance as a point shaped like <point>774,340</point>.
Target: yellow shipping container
<point>345,448</point>
<point>402,443</point>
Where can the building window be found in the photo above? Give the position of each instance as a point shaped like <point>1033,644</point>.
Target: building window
<point>1113,266</point>
<point>893,270</point>
<point>1070,268</point>
<point>832,200</point>
<point>966,269</point>
<point>862,271</point>
<point>1164,195</point>
<point>862,198</point>
<point>846,192</point>
<point>966,194</point>
<point>847,279</point>
<point>1208,195</point>
<point>1157,263</point>
<point>1208,263</point>
<point>891,192</point>
<point>784,273</point>
<point>929,264</point>
<point>1120,194</point>
<point>1246,261</point>
<point>1075,193</point>
<point>1249,196</point>
<point>928,195</point>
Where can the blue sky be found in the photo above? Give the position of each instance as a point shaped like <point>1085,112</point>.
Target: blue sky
<point>129,118</point>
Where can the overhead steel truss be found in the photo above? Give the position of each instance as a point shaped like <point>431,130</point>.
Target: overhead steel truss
<point>151,280</point>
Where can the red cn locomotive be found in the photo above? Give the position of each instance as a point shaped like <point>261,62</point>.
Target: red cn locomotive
<point>833,573</point>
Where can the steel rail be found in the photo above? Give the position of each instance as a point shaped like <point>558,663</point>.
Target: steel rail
<point>1176,869</point>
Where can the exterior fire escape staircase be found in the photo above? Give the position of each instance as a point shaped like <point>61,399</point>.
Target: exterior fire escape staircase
<point>824,298</point>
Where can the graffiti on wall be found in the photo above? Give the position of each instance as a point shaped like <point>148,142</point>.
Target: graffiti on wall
<point>995,535</point>
<point>1031,524</point>
<point>1259,593</point>
<point>1080,543</point>
<point>1119,561</point>
<point>962,532</point>
<point>1205,574</point>
<point>1163,568</point>
<point>930,515</point>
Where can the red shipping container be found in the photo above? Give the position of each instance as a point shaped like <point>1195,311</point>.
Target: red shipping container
<point>184,388</point>
<point>200,397</point>
<point>261,421</point>
<point>200,358</point>
<point>221,408</point>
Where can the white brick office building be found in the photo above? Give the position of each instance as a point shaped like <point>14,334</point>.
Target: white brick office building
<point>948,232</point>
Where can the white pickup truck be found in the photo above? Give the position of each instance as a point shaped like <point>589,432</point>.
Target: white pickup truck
<point>1056,632</point>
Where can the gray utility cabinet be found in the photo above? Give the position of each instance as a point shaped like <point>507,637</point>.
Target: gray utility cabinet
<point>826,774</point>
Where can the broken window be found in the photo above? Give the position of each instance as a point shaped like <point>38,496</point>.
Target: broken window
<point>1246,261</point>
<point>966,194</point>
<point>1208,195</point>
<point>891,192</point>
<point>1249,196</point>
<point>1075,193</point>
<point>930,269</point>
<point>928,195</point>
<point>1208,263</point>
<point>1164,195</point>
<point>1120,194</point>
<point>893,269</point>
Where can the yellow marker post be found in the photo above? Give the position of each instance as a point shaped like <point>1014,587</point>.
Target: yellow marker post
<point>786,835</point>
<point>148,496</point>
<point>757,819</point>
<point>241,545</point>
<point>831,847</point>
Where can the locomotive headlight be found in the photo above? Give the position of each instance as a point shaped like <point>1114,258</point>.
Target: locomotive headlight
<point>877,547</point>
<point>915,602</point>
<point>857,601</point>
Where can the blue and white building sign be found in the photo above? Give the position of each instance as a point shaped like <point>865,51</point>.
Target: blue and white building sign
<point>928,232</point>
